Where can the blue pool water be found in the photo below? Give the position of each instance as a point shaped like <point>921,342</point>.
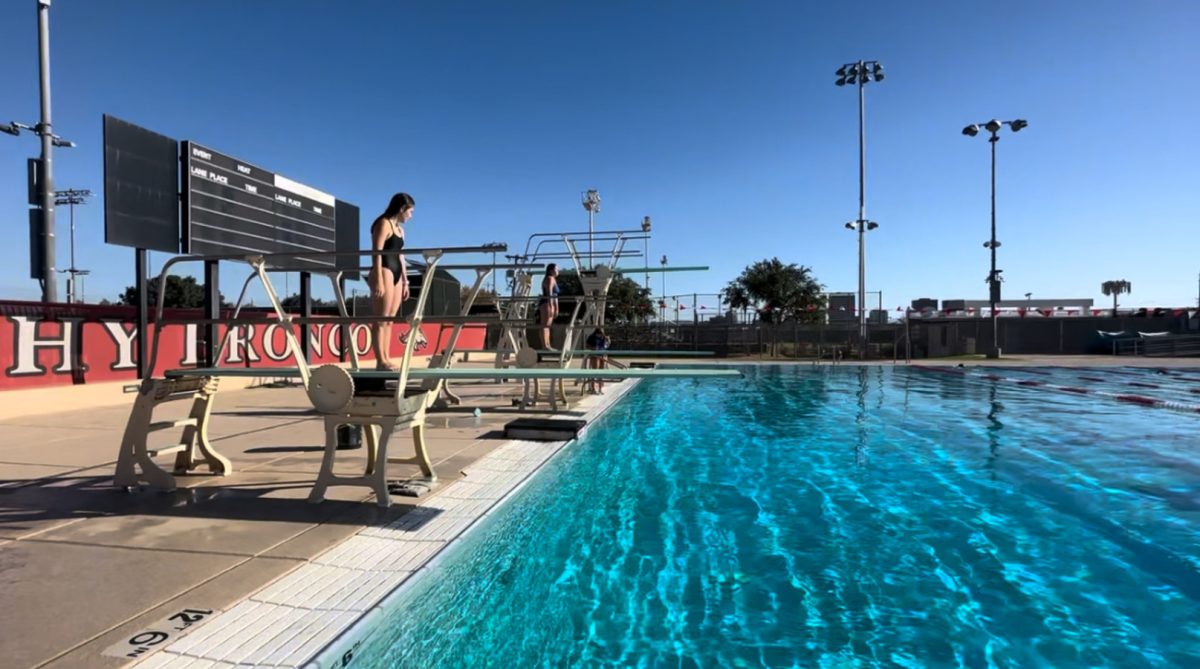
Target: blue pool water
<point>833,517</point>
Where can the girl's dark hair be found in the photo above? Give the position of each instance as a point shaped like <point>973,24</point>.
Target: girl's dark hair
<point>551,268</point>
<point>400,202</point>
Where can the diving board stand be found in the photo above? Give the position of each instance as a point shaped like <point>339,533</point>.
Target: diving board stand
<point>331,392</point>
<point>382,401</point>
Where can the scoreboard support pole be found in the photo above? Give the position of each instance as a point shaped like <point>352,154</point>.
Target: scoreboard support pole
<point>143,320</point>
<point>306,312</point>
<point>344,330</point>
<point>212,311</point>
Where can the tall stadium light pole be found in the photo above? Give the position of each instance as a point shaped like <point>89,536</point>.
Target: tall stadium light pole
<point>45,198</point>
<point>646,255</point>
<point>72,197</point>
<point>993,279</point>
<point>861,73</point>
<point>49,284</point>
<point>591,202</point>
<point>663,303</point>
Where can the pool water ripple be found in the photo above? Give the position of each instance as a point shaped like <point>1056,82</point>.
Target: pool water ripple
<point>833,517</point>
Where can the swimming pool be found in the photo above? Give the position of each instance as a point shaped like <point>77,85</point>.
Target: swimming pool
<point>833,517</point>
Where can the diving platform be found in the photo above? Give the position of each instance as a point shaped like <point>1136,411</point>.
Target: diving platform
<point>380,401</point>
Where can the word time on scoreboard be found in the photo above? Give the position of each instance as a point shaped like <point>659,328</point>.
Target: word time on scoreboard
<point>233,207</point>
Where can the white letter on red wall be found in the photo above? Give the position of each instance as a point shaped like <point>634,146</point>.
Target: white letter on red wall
<point>27,343</point>
<point>124,342</point>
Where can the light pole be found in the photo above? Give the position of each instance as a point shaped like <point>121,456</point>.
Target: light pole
<point>591,202</point>
<point>861,73</point>
<point>72,197</point>
<point>646,255</point>
<point>993,279</point>
<point>663,303</point>
<point>45,199</point>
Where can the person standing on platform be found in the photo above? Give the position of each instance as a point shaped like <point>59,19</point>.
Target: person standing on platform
<point>388,278</point>
<point>548,303</point>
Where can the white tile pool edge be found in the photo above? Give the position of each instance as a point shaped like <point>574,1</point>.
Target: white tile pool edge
<point>318,615</point>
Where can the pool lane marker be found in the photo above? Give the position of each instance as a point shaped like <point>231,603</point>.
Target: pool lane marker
<point>1140,400</point>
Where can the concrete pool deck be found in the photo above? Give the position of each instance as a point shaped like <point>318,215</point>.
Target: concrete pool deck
<point>84,567</point>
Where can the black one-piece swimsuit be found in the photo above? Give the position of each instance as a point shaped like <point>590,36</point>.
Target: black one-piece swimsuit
<point>392,260</point>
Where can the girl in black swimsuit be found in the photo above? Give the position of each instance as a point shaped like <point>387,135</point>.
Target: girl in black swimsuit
<point>388,278</point>
<point>548,303</point>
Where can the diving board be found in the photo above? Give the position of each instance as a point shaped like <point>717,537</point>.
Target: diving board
<point>659,270</point>
<point>616,353</point>
<point>463,373</point>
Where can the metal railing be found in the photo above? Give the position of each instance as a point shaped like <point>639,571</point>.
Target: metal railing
<point>1172,345</point>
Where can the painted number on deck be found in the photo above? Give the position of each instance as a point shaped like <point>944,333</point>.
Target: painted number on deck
<point>171,627</point>
<point>347,657</point>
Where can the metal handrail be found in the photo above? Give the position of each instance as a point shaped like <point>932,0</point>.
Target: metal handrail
<point>258,262</point>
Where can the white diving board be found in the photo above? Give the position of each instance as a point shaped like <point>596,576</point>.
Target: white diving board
<point>464,373</point>
<point>633,354</point>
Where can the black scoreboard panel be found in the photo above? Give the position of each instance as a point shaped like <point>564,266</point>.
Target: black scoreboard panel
<point>233,207</point>
<point>347,240</point>
<point>141,187</point>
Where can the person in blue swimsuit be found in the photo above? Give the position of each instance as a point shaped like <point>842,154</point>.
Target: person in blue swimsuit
<point>388,278</point>
<point>548,303</point>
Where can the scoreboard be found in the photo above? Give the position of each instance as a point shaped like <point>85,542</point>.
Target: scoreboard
<point>233,207</point>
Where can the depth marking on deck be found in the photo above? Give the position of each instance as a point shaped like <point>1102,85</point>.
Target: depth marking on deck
<point>148,640</point>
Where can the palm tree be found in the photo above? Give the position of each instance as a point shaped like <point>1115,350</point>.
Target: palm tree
<point>1115,288</point>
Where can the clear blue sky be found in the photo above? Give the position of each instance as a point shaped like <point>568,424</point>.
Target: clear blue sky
<point>720,120</point>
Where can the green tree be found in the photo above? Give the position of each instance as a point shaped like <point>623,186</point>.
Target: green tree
<point>787,292</point>
<point>737,297</point>
<point>293,302</point>
<point>1116,287</point>
<point>628,301</point>
<point>486,296</point>
<point>183,292</point>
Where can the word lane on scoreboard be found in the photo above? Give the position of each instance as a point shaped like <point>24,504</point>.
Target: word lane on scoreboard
<point>233,207</point>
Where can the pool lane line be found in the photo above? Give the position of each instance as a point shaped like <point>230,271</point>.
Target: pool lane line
<point>1125,397</point>
<point>1140,400</point>
<point>1147,371</point>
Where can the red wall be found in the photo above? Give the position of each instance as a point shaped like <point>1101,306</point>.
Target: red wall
<point>59,344</point>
